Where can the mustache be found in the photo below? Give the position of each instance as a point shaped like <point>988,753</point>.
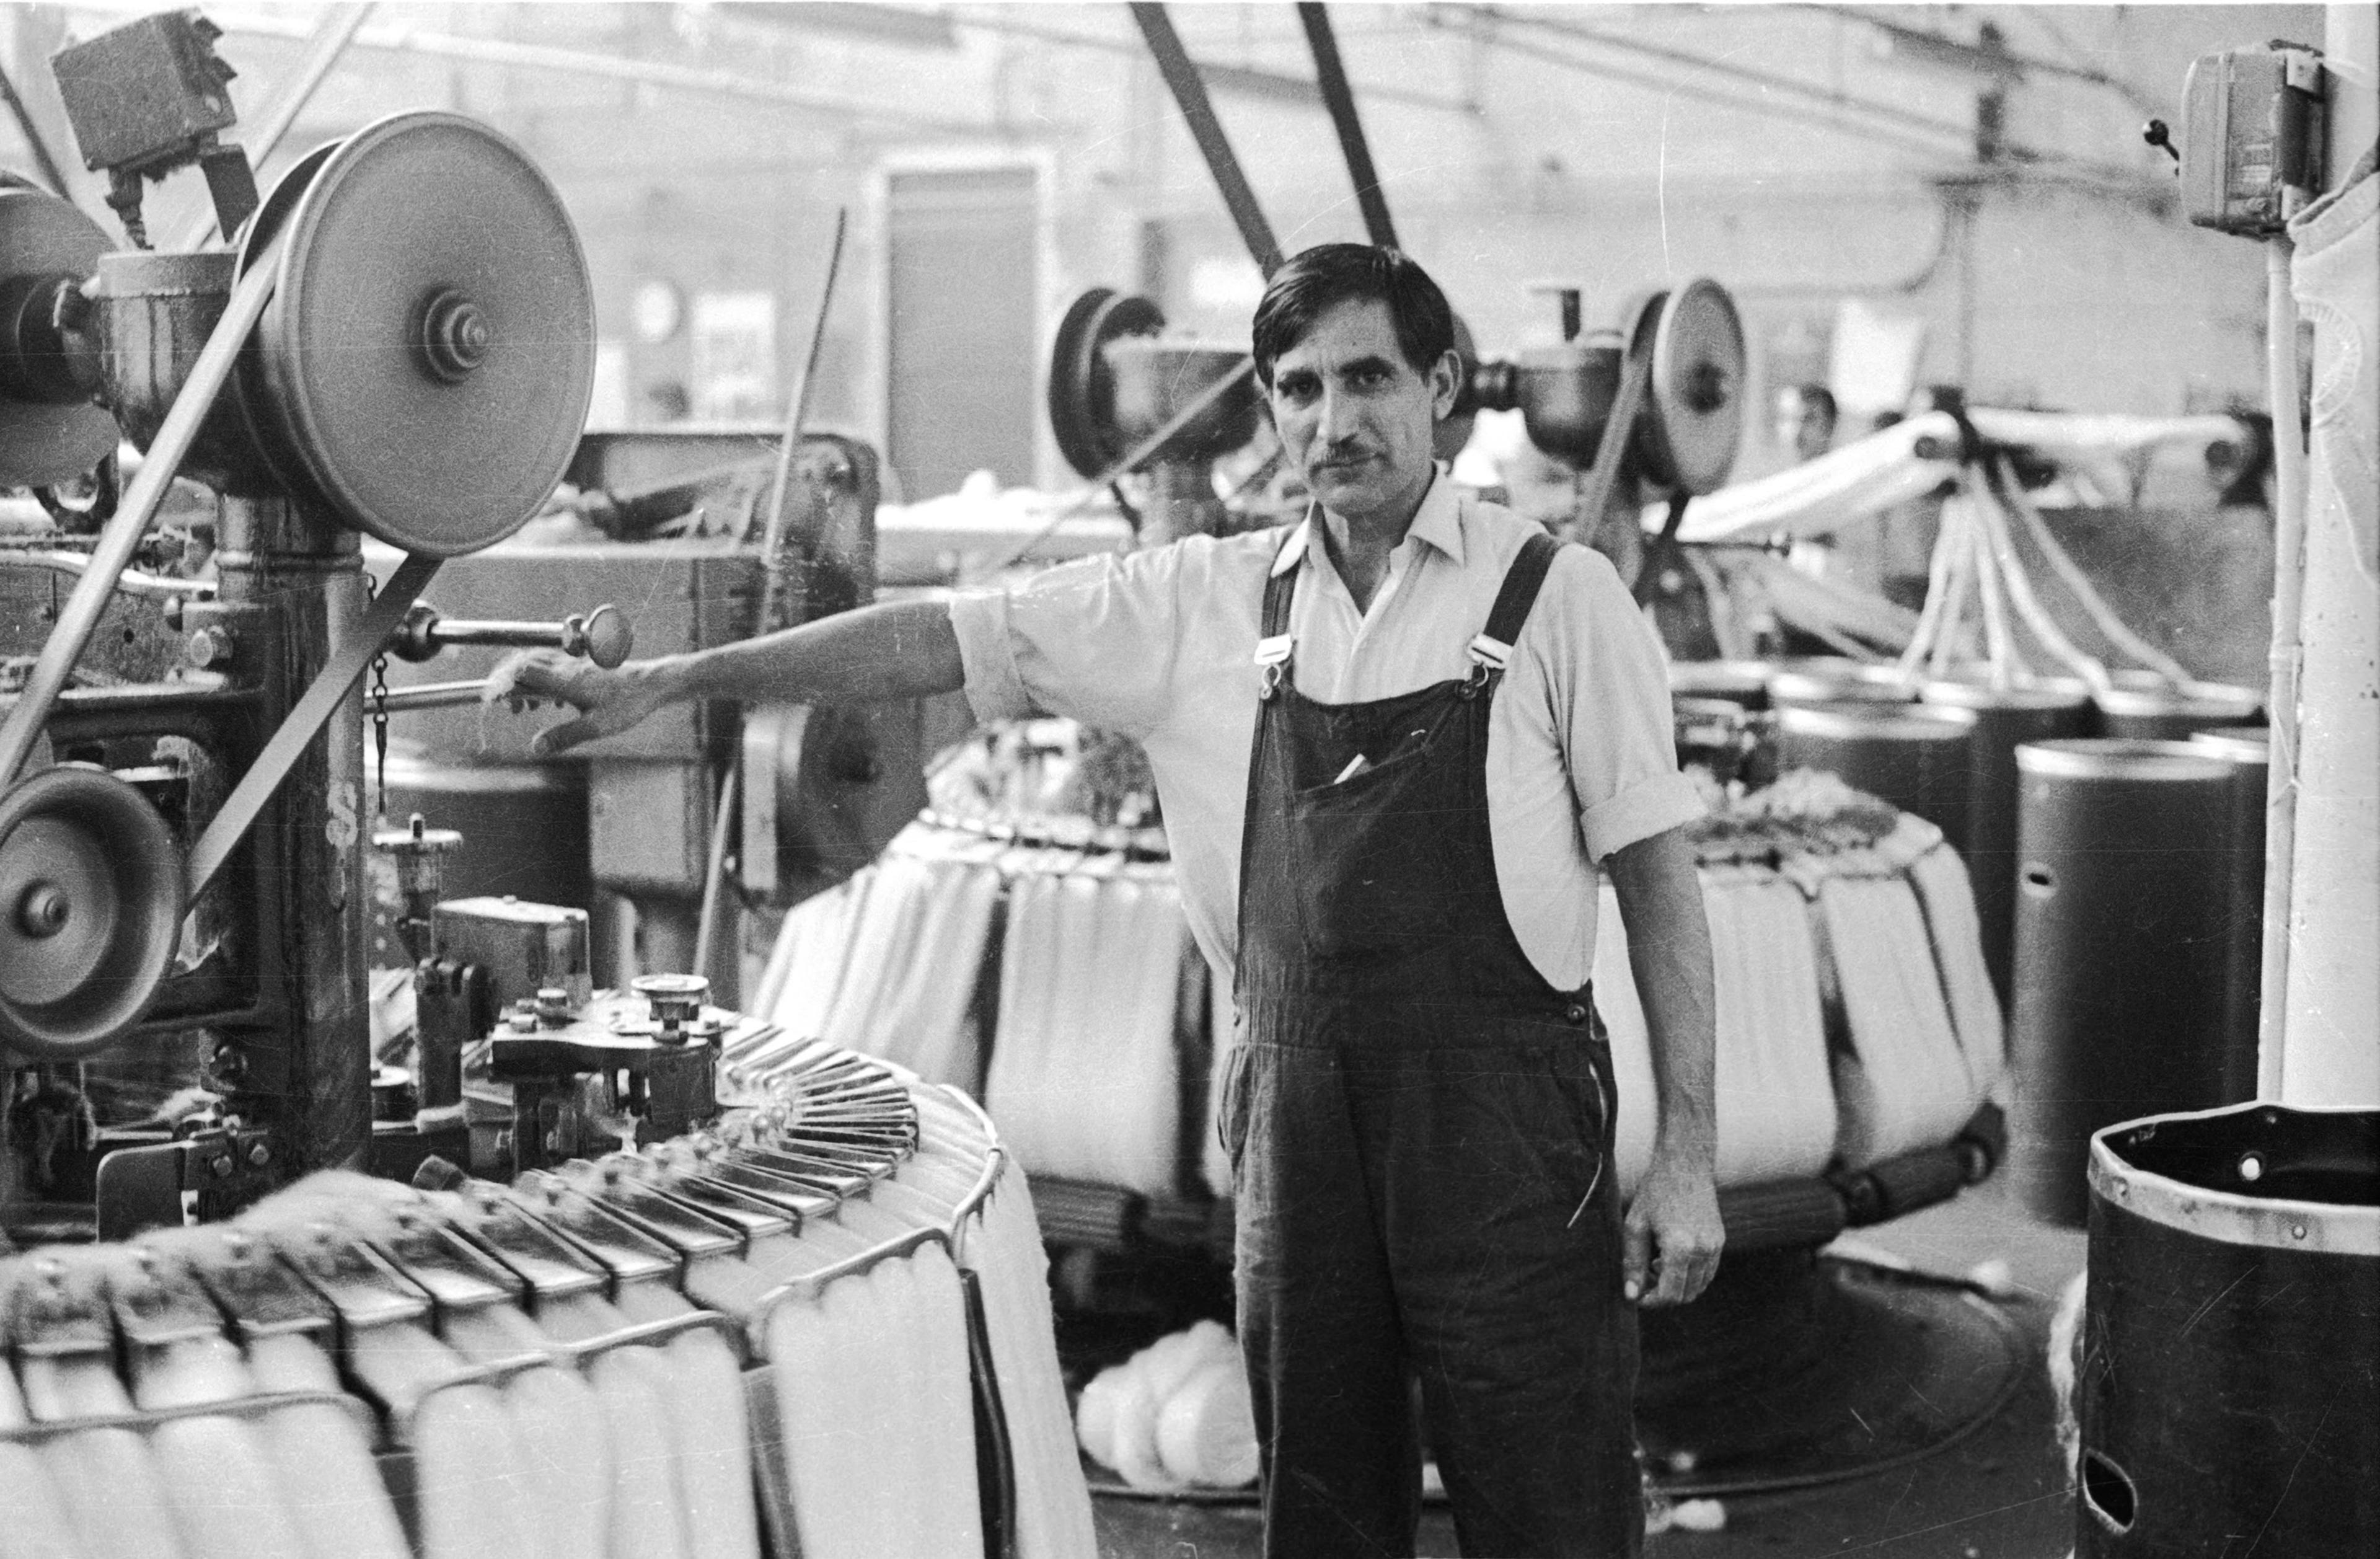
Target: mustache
<point>1338,455</point>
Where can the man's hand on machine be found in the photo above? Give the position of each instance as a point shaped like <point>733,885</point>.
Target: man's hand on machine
<point>1671,1239</point>
<point>608,702</point>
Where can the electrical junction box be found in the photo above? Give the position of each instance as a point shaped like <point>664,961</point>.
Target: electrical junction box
<point>2251,129</point>
<point>146,95</point>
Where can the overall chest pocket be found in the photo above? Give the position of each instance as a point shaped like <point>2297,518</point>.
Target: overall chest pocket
<point>1375,861</point>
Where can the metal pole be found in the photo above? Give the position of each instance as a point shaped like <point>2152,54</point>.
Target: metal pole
<point>2281,700</point>
<point>797,406</point>
<point>80,617</point>
<point>1190,95</point>
<point>330,38</point>
<point>1331,74</point>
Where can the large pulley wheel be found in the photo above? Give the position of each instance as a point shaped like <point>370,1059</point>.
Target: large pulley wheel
<point>429,353</point>
<point>90,908</point>
<point>1081,391</point>
<point>49,432</point>
<point>1695,394</point>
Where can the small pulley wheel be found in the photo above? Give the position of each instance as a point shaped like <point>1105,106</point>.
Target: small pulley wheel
<point>1696,393</point>
<point>50,432</point>
<point>90,909</point>
<point>430,351</point>
<point>1082,392</point>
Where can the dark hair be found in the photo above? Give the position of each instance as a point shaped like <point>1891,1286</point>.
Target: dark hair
<point>1817,397</point>
<point>1314,280</point>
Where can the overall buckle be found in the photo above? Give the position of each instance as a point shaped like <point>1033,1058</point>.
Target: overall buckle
<point>1272,654</point>
<point>1488,659</point>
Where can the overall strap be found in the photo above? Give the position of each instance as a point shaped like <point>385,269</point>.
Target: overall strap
<point>1492,650</point>
<point>1275,644</point>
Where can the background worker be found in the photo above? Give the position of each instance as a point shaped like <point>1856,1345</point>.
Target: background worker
<point>1396,747</point>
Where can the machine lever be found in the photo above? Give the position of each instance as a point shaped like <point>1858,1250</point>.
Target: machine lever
<point>603,636</point>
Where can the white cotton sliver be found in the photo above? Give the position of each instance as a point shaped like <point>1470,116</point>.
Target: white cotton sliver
<point>107,1479</point>
<point>938,1362</point>
<point>882,944</point>
<point>1948,897</point>
<point>35,1524</point>
<point>816,937</point>
<point>1053,1518</point>
<point>476,1498</point>
<point>946,1048</point>
<point>322,1457</point>
<point>1028,952</point>
<point>646,1521</point>
<point>1775,1095</point>
<point>818,1444</point>
<point>569,1463</point>
<point>713,1447</point>
<point>1906,1084</point>
<point>328,1479</point>
<point>226,1497</point>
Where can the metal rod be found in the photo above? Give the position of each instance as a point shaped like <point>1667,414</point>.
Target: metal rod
<point>316,705</point>
<point>130,582</point>
<point>716,870</point>
<point>1330,74</point>
<point>80,617</point>
<point>330,38</point>
<point>797,406</point>
<point>1190,95</point>
<point>2283,661</point>
<point>426,694</point>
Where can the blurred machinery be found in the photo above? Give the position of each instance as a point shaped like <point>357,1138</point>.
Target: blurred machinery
<point>397,344</point>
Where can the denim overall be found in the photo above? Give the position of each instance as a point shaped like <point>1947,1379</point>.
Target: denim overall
<point>1420,1132</point>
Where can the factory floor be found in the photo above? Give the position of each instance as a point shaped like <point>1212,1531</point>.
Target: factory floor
<point>2000,1493</point>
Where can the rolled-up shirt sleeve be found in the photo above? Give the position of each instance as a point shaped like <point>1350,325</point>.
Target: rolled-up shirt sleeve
<point>1095,640</point>
<point>1610,692</point>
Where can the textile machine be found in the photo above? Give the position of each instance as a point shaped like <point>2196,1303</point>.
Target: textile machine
<point>702,1242</point>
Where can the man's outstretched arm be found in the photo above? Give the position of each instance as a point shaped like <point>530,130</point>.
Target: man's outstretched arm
<point>897,651</point>
<point>1673,1233</point>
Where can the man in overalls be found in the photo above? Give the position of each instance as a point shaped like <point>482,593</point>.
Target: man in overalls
<point>1396,746</point>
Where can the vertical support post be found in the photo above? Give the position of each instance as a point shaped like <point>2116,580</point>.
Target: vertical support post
<point>295,579</point>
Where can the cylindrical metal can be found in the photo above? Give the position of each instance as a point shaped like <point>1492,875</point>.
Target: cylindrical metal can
<point>1821,680</point>
<point>1738,682</point>
<point>2248,749</point>
<point>2229,1387</point>
<point>1916,759</point>
<point>2142,709</point>
<point>2005,718</point>
<point>2122,897</point>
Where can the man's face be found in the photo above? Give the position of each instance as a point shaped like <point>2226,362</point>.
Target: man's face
<point>1354,417</point>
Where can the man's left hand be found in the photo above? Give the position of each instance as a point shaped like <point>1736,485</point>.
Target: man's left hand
<point>1671,1241</point>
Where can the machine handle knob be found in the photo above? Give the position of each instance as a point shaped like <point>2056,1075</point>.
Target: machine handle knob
<point>604,636</point>
<point>677,1001</point>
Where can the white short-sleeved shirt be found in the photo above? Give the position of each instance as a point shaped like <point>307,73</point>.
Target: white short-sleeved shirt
<point>1160,645</point>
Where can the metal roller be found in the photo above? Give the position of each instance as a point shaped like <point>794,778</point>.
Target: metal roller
<point>429,349</point>
<point>1082,389</point>
<point>90,910</point>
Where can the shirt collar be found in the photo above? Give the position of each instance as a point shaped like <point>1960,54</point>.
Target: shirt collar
<point>1439,522</point>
